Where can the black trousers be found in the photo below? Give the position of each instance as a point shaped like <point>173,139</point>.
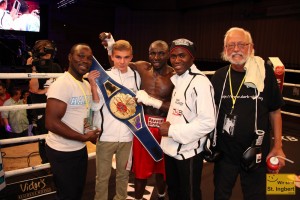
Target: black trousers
<point>69,172</point>
<point>225,175</point>
<point>39,130</point>
<point>183,177</point>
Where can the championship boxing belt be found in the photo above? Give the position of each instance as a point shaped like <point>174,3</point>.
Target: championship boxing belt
<point>122,105</point>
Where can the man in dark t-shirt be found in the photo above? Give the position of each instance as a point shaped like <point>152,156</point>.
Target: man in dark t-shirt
<point>246,112</point>
<point>42,62</point>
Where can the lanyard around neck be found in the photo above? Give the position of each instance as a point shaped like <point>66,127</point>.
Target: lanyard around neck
<point>81,88</point>
<point>233,98</point>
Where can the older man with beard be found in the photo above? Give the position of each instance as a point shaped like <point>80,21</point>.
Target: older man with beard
<point>247,93</point>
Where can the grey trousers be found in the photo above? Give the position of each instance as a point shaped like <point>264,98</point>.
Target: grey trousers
<point>104,155</point>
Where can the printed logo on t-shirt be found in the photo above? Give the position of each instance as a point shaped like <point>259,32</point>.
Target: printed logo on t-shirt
<point>78,100</point>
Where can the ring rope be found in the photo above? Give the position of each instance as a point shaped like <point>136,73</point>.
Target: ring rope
<point>292,70</point>
<point>291,84</point>
<point>32,75</point>
<point>289,113</point>
<point>23,139</point>
<point>23,106</point>
<point>289,99</point>
<point>29,75</point>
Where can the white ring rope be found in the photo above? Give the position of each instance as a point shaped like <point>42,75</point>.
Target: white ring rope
<point>291,84</point>
<point>293,100</point>
<point>23,106</point>
<point>32,75</point>
<point>289,113</point>
<point>292,70</point>
<point>23,139</point>
<point>28,75</point>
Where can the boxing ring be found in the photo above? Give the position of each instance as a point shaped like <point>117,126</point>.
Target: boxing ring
<point>30,139</point>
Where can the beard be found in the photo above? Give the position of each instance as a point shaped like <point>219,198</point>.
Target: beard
<point>231,59</point>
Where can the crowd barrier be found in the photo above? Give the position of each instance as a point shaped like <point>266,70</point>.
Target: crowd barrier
<point>12,173</point>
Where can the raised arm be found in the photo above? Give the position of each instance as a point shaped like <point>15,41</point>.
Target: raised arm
<point>107,41</point>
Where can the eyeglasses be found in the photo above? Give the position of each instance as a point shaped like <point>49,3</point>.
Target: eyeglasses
<point>239,45</point>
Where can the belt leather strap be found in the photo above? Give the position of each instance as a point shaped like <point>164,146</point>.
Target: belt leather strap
<point>111,91</point>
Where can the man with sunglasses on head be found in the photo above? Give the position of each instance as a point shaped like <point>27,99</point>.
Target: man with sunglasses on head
<point>247,96</point>
<point>41,61</point>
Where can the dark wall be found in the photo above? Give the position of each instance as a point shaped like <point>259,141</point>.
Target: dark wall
<point>274,24</point>
<point>80,23</point>
<point>274,34</point>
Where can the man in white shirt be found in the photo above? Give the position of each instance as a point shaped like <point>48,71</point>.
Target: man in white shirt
<point>116,137</point>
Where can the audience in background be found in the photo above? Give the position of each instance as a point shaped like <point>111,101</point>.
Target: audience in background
<point>4,95</point>
<point>15,120</point>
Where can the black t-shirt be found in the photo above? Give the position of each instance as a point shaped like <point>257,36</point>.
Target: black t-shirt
<point>42,98</point>
<point>269,100</point>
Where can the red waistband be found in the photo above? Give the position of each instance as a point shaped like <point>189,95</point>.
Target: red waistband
<point>154,121</point>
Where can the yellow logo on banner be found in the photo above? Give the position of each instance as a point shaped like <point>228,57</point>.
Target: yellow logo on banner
<point>283,184</point>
